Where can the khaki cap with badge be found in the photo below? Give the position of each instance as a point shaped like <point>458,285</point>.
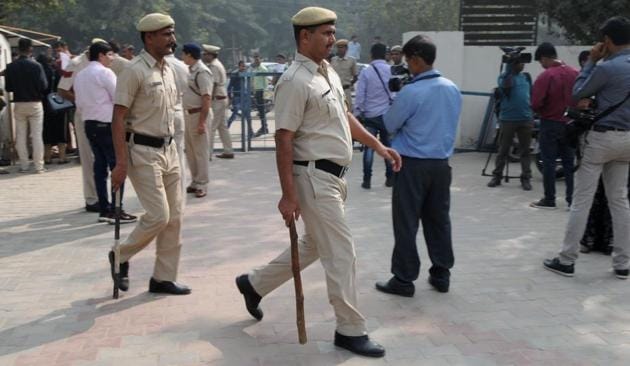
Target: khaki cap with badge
<point>313,15</point>
<point>154,21</point>
<point>342,42</point>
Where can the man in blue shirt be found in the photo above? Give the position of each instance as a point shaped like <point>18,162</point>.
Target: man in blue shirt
<point>424,119</point>
<point>515,116</point>
<point>371,102</point>
<point>606,148</point>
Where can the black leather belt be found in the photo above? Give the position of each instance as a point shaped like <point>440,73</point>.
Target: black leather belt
<point>327,166</point>
<point>598,128</point>
<point>98,123</point>
<point>149,140</point>
<point>219,97</point>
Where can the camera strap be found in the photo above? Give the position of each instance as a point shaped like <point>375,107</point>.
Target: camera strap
<point>610,109</point>
<point>383,83</point>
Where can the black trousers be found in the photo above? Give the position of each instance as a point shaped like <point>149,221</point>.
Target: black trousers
<point>422,193</point>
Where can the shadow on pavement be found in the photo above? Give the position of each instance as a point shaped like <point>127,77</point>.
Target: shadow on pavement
<point>33,233</point>
<point>67,322</point>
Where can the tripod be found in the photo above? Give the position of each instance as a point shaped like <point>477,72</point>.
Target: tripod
<point>494,148</point>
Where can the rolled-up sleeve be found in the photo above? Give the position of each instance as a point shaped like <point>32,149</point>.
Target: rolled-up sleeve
<point>127,86</point>
<point>290,99</point>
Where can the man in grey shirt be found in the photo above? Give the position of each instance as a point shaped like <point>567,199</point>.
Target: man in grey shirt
<point>606,147</point>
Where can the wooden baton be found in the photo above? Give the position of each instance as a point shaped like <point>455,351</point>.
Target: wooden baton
<point>297,280</point>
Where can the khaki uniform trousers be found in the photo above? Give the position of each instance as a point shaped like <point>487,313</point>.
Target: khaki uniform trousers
<point>29,115</point>
<point>87,160</point>
<point>321,197</point>
<point>197,151</point>
<point>178,137</point>
<point>218,123</point>
<point>155,175</point>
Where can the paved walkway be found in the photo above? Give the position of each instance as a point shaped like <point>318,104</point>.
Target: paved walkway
<point>503,309</point>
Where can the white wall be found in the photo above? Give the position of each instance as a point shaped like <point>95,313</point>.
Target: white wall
<point>475,69</point>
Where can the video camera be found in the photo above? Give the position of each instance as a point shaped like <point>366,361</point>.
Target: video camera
<point>400,77</point>
<point>514,55</point>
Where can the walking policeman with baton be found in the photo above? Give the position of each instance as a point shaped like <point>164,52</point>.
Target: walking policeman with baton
<point>314,132</point>
<point>142,129</point>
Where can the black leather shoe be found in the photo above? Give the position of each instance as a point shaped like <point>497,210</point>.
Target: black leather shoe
<point>389,181</point>
<point>440,284</point>
<point>395,287</point>
<point>252,299</point>
<point>123,275</point>
<point>361,345</point>
<point>168,287</point>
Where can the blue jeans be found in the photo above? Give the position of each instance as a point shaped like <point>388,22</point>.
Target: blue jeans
<point>376,127</point>
<point>245,110</point>
<point>554,145</point>
<point>100,136</point>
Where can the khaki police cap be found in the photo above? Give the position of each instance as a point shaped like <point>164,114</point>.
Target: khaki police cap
<point>98,40</point>
<point>342,42</point>
<point>313,15</point>
<point>396,48</point>
<point>154,21</point>
<point>210,48</point>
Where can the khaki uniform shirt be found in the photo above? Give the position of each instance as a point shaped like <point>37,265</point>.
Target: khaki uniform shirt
<point>150,93</point>
<point>76,64</point>
<point>346,68</point>
<point>220,78</point>
<point>200,83</point>
<point>118,64</point>
<point>314,108</point>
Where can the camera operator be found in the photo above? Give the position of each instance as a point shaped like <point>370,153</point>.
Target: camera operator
<point>606,148</point>
<point>550,98</point>
<point>424,119</point>
<point>515,118</point>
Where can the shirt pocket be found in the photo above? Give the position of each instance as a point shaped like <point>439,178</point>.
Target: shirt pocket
<point>329,105</point>
<point>155,92</point>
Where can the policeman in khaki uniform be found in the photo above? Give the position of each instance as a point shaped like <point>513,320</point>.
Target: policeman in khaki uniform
<point>346,67</point>
<point>219,101</point>
<point>197,102</point>
<point>142,130</point>
<point>314,132</point>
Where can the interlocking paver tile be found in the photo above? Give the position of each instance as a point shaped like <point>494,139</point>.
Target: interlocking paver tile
<point>503,308</point>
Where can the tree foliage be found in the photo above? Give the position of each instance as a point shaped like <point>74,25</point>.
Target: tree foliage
<point>581,19</point>
<point>238,26</point>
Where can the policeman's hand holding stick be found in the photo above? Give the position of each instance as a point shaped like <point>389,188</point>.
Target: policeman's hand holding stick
<point>116,248</point>
<point>297,279</point>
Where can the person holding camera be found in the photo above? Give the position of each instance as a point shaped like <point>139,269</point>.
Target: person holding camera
<point>550,97</point>
<point>515,118</point>
<point>424,119</point>
<point>606,147</point>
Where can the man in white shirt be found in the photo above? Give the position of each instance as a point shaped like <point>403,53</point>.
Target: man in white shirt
<point>354,48</point>
<point>94,96</point>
